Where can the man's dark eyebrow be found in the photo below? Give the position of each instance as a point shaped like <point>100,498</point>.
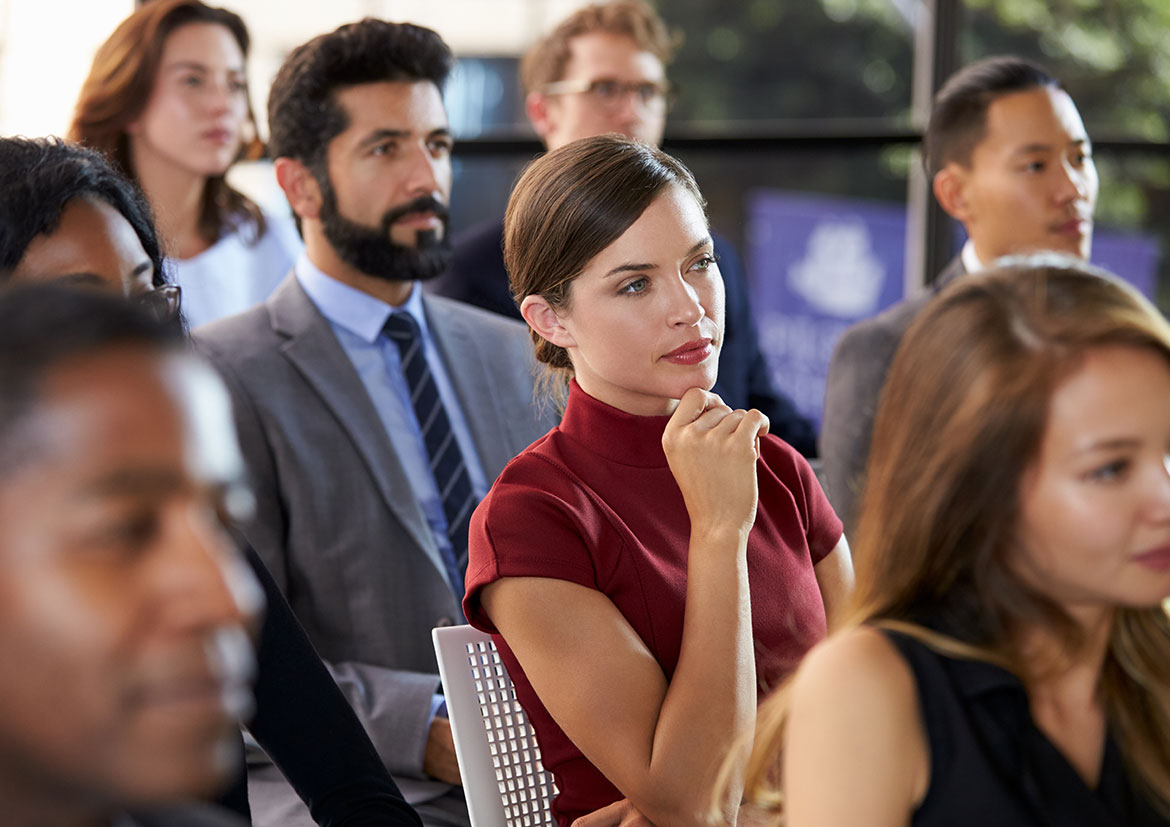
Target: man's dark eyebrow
<point>143,267</point>
<point>381,135</point>
<point>1030,149</point>
<point>127,482</point>
<point>633,268</point>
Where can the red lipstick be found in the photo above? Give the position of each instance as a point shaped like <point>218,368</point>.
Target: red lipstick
<point>692,353</point>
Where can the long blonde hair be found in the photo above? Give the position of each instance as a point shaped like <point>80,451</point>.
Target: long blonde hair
<point>960,420</point>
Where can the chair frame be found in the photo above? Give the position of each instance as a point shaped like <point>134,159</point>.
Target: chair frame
<point>504,782</point>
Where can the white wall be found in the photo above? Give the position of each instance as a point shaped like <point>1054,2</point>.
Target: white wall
<point>46,46</point>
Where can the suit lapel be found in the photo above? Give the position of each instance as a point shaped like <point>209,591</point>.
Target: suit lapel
<point>952,271</point>
<point>311,346</point>
<point>472,377</point>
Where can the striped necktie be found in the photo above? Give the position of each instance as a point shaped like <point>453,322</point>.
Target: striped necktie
<point>447,466</point>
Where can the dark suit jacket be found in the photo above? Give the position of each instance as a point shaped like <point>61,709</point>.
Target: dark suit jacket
<point>336,521</point>
<point>477,275</point>
<point>857,373</point>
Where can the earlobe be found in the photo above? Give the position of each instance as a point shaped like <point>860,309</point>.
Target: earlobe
<point>543,318</point>
<point>300,187</point>
<point>949,187</point>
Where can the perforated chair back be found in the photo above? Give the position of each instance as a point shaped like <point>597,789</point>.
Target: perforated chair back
<point>503,779</point>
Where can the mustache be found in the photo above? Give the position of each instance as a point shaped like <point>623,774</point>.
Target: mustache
<point>424,203</point>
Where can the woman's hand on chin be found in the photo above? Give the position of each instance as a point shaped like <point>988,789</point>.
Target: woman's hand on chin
<point>712,453</point>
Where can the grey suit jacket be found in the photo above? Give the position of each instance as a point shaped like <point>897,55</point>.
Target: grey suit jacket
<point>857,373</point>
<point>336,520</point>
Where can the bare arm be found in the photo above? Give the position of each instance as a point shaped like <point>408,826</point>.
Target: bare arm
<point>659,742</point>
<point>855,751</point>
<point>834,574</point>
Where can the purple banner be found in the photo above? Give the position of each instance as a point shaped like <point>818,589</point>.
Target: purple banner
<point>817,264</point>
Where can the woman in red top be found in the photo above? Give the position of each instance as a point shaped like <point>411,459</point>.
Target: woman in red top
<point>656,562</point>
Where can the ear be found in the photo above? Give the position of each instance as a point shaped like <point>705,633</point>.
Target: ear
<point>300,187</point>
<point>544,319</point>
<point>536,106</point>
<point>950,188</point>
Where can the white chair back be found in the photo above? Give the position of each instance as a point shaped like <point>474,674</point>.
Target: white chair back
<point>503,779</point>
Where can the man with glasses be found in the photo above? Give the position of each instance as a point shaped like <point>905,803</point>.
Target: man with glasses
<point>603,69</point>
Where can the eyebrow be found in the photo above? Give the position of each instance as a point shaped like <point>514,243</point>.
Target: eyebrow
<point>632,267</point>
<point>126,482</point>
<point>196,66</point>
<point>146,482</point>
<point>1030,149</point>
<point>87,279</point>
<point>397,134</point>
<point>1109,444</point>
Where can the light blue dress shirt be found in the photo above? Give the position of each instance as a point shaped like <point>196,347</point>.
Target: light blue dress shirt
<point>357,319</point>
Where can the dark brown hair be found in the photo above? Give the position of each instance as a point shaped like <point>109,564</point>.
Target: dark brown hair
<point>119,87</point>
<point>567,207</point>
<point>304,115</point>
<point>960,422</point>
<point>545,62</point>
<point>958,118</point>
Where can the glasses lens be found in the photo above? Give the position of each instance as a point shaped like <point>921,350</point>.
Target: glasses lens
<point>163,302</point>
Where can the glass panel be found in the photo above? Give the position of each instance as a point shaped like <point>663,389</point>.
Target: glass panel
<point>1111,56</point>
<point>1131,233</point>
<point>776,59</point>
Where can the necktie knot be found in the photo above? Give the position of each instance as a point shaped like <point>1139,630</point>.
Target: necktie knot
<point>401,327</point>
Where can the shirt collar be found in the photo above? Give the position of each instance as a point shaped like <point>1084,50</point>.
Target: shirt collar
<point>970,259</point>
<point>350,308</point>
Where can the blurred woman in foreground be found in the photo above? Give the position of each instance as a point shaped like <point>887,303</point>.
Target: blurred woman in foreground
<point>1007,657</point>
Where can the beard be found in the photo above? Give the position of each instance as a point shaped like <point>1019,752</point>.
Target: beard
<point>372,251</point>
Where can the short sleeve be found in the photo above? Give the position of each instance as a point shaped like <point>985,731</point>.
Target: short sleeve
<point>822,527</point>
<point>533,523</point>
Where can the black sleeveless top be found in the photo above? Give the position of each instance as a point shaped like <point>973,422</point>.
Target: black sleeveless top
<point>991,765</point>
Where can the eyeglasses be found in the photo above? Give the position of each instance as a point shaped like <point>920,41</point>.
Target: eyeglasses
<point>162,303</point>
<point>609,93</point>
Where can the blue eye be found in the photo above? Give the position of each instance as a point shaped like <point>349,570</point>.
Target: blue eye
<point>636,286</point>
<point>706,262</point>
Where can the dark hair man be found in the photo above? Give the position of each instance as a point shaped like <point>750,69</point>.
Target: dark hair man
<point>1008,157</point>
<point>603,69</point>
<point>373,417</point>
<point>124,613</point>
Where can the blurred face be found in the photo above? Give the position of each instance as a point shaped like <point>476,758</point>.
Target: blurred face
<point>602,68</point>
<point>92,243</point>
<point>1095,529</point>
<point>1031,184</point>
<point>198,109</point>
<point>384,207</point>
<point>120,601</point>
<point>644,322</point>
